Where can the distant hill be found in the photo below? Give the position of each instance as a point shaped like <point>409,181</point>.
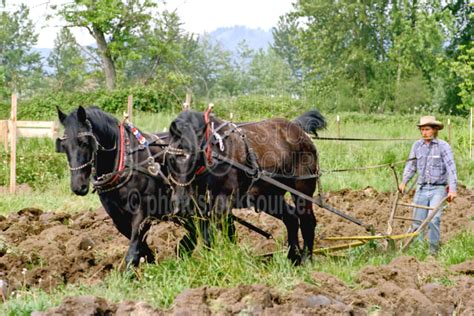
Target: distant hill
<point>230,37</point>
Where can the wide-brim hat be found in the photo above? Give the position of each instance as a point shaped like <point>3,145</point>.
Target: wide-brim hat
<point>430,121</point>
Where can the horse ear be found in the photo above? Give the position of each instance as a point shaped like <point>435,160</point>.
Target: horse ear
<point>81,114</point>
<point>61,115</point>
<point>173,129</point>
<point>59,146</point>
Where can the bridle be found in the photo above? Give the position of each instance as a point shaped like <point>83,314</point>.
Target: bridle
<point>207,151</point>
<point>96,148</point>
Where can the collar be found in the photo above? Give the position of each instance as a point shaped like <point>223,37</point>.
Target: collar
<point>434,141</point>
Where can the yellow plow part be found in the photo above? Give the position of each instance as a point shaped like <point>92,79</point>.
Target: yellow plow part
<point>361,241</point>
<point>394,237</point>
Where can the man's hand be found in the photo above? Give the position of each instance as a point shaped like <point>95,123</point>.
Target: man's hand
<point>401,187</point>
<point>451,196</point>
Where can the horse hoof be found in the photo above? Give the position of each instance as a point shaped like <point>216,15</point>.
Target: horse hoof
<point>295,258</point>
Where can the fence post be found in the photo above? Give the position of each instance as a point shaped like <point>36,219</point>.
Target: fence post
<point>130,107</point>
<point>13,145</point>
<point>449,131</point>
<point>338,123</point>
<point>187,102</point>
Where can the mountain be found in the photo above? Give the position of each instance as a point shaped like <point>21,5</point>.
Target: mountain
<point>230,37</point>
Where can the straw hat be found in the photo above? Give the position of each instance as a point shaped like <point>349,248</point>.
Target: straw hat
<point>430,121</point>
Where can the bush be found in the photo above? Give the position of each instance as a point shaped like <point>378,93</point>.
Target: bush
<point>36,165</point>
<point>252,107</point>
<point>145,98</point>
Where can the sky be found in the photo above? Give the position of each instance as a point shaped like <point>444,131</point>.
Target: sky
<point>198,16</point>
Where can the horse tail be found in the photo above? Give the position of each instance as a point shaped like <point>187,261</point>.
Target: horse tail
<point>311,121</point>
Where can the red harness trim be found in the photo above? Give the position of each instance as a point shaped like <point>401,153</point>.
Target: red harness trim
<point>121,162</point>
<point>208,143</point>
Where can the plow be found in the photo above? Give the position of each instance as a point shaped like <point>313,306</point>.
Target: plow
<point>351,241</point>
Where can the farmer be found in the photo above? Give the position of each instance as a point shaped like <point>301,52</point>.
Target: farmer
<point>433,159</point>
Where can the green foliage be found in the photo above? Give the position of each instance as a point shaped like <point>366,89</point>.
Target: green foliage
<point>463,68</point>
<point>20,69</point>
<point>254,107</point>
<point>37,164</point>
<point>147,99</point>
<point>67,63</point>
<point>116,26</point>
<point>370,56</point>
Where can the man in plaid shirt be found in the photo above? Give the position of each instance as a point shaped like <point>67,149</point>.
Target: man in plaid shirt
<point>433,159</point>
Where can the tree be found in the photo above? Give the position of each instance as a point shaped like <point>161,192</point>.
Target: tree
<point>269,74</point>
<point>20,67</point>
<point>67,62</point>
<point>115,25</point>
<point>285,37</point>
<point>463,68</point>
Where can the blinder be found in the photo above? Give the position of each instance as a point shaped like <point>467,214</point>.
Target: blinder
<point>59,146</point>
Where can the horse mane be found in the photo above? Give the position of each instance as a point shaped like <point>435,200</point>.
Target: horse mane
<point>101,121</point>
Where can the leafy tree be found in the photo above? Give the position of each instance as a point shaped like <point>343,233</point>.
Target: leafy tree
<point>285,37</point>
<point>269,74</point>
<point>115,25</point>
<point>463,68</point>
<point>67,62</point>
<point>209,69</point>
<point>19,66</point>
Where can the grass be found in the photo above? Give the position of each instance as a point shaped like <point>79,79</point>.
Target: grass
<point>55,197</point>
<point>228,266</point>
<point>48,175</point>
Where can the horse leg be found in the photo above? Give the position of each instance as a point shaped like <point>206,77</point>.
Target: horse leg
<point>307,220</point>
<point>138,247</point>
<point>221,214</point>
<point>291,223</point>
<point>188,243</point>
<point>285,212</point>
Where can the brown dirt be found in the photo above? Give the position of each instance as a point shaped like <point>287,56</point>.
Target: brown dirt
<point>328,297</point>
<point>44,249</point>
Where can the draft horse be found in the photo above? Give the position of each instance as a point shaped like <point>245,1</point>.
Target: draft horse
<point>124,168</point>
<point>209,187</point>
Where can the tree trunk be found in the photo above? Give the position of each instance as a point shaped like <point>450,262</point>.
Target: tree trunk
<point>108,64</point>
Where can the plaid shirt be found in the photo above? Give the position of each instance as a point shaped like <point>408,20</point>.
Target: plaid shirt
<point>433,161</point>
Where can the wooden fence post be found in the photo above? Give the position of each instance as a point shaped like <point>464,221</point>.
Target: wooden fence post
<point>187,102</point>
<point>13,145</point>
<point>130,107</point>
<point>338,123</point>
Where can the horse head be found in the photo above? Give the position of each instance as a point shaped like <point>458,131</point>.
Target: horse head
<point>184,156</point>
<point>80,144</point>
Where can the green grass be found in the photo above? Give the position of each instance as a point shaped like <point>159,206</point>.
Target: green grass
<point>54,197</point>
<point>227,265</point>
<point>47,173</point>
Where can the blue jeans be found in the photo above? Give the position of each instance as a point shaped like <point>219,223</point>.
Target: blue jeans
<point>429,195</point>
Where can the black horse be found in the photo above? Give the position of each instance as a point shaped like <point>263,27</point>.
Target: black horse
<point>205,184</point>
<point>125,171</point>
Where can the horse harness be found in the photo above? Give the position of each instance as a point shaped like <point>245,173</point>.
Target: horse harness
<point>124,165</point>
<point>212,137</point>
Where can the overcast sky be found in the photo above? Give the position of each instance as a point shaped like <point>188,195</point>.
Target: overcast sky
<point>198,16</point>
